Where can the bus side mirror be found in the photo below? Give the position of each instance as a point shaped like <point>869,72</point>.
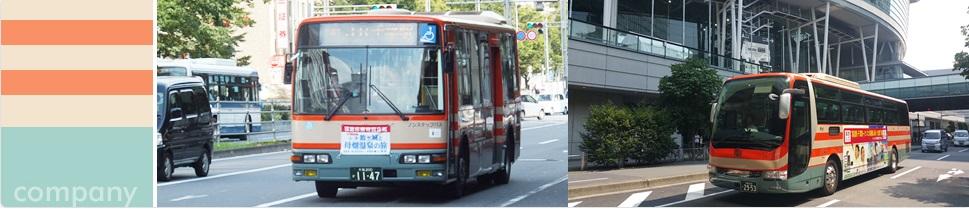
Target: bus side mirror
<point>288,73</point>
<point>713,112</point>
<point>784,109</point>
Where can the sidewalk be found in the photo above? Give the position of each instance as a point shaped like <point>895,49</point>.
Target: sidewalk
<point>594,182</point>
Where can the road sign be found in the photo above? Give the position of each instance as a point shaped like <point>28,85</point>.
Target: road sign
<point>520,35</point>
<point>532,35</point>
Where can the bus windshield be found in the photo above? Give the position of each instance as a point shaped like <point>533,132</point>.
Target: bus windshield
<point>350,80</point>
<point>747,115</point>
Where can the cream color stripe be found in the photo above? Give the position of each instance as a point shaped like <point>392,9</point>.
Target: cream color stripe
<point>826,144</point>
<point>77,10</point>
<point>79,57</point>
<point>77,111</point>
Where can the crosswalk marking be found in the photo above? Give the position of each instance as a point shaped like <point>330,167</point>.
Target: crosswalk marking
<point>573,204</point>
<point>695,191</point>
<point>635,199</point>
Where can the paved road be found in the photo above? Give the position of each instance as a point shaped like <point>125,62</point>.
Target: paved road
<point>538,179</point>
<point>925,180</point>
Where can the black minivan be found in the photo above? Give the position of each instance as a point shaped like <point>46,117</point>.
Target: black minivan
<point>185,126</point>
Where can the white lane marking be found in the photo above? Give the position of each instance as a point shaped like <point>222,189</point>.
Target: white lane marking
<point>277,202</point>
<point>943,157</point>
<point>224,175</point>
<point>536,190</point>
<point>538,127</point>
<point>949,174</point>
<point>695,191</point>
<point>906,172</point>
<point>829,203</point>
<point>963,150</point>
<point>705,196</point>
<point>549,141</point>
<point>248,156</point>
<point>635,199</point>
<point>188,197</point>
<point>573,204</point>
<point>585,180</point>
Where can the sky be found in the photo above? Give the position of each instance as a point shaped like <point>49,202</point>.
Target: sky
<point>934,35</point>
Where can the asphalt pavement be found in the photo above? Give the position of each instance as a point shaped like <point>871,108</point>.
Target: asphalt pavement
<point>924,180</point>
<point>264,180</point>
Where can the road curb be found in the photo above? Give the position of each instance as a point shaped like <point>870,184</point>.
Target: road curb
<point>251,150</point>
<point>575,192</point>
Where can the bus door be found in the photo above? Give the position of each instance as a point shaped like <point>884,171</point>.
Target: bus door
<point>469,91</point>
<point>484,145</point>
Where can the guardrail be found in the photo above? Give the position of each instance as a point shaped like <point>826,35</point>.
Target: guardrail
<point>274,120</point>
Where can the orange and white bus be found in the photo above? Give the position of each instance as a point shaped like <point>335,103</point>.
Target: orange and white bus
<point>400,98</point>
<point>788,133</point>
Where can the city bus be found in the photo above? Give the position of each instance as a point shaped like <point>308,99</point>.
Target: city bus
<point>399,98</point>
<point>790,133</point>
<point>233,92</point>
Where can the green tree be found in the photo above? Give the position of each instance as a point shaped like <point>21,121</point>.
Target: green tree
<point>651,128</point>
<point>961,62</point>
<point>608,139</point>
<point>201,28</point>
<point>531,53</point>
<point>686,95</point>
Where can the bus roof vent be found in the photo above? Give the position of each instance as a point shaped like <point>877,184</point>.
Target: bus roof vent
<point>482,16</point>
<point>390,12</point>
<point>214,61</point>
<point>833,79</point>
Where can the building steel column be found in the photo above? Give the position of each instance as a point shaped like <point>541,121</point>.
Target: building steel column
<point>874,54</point>
<point>864,54</point>
<point>827,52</point>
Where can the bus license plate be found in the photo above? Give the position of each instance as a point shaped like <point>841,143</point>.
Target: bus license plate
<point>748,186</point>
<point>366,174</point>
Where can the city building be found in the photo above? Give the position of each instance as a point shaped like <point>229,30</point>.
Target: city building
<point>619,49</point>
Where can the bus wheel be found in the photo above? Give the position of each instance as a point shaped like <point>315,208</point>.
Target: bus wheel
<point>504,174</point>
<point>832,178</point>
<point>456,188</point>
<point>166,168</point>
<point>202,165</point>
<point>892,162</point>
<point>324,190</point>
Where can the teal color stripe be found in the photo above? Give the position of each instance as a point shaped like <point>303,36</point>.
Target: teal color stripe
<point>85,167</point>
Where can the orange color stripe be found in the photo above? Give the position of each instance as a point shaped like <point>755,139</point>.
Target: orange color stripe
<point>748,154</point>
<point>392,146</point>
<point>76,32</point>
<point>76,82</point>
<point>369,117</point>
<point>825,136</point>
<point>825,151</point>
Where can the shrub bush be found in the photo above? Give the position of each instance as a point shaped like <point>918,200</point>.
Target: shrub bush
<point>614,134</point>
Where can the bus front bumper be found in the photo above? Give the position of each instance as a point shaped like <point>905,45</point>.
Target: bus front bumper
<point>762,185</point>
<point>392,171</point>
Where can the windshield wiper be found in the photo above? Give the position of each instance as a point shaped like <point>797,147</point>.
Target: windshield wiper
<point>392,106</point>
<point>346,96</point>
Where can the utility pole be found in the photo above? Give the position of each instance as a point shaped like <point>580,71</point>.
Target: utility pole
<point>546,46</point>
<point>427,6</point>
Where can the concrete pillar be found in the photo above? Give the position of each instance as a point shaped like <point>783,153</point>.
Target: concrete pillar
<point>610,13</point>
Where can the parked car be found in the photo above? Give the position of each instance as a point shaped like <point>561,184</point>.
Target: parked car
<point>961,138</point>
<point>531,107</point>
<point>935,140</point>
<point>553,103</point>
<point>185,126</point>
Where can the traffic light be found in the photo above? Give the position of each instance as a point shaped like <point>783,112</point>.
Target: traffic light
<point>383,6</point>
<point>535,25</point>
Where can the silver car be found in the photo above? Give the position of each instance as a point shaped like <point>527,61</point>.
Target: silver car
<point>960,138</point>
<point>934,140</point>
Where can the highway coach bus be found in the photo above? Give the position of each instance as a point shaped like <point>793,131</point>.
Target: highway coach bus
<point>789,133</point>
<point>399,98</point>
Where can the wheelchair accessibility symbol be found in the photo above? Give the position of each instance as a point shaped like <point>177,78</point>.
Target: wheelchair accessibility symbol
<point>429,33</point>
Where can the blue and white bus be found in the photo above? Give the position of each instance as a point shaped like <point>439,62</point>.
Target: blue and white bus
<point>233,91</point>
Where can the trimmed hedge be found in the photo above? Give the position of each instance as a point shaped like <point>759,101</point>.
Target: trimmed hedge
<point>615,134</point>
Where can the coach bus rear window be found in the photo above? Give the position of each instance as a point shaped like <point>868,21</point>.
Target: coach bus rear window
<point>172,71</point>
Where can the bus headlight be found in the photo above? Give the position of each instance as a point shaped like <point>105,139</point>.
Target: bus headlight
<point>424,159</point>
<point>778,175</point>
<point>312,158</point>
<point>410,159</point>
<point>309,158</point>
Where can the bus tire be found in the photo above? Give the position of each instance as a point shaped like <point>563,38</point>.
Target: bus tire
<point>456,189</point>
<point>832,178</point>
<point>202,165</point>
<point>166,167</point>
<point>324,190</point>
<point>892,162</point>
<point>504,173</point>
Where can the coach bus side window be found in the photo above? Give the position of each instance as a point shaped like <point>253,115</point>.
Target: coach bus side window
<point>854,111</point>
<point>484,54</point>
<point>475,67</point>
<point>829,109</point>
<point>800,145</point>
<point>874,113</point>
<point>507,65</point>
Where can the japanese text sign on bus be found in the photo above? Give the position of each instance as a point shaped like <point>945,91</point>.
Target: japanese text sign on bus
<point>870,134</point>
<point>365,139</point>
